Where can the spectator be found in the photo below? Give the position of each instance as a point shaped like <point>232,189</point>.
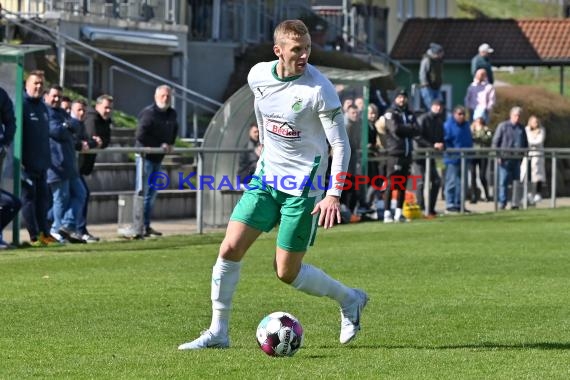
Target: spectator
<point>157,127</point>
<point>401,128</point>
<point>349,197</point>
<point>457,134</point>
<point>482,137</point>
<point>535,134</point>
<point>83,143</point>
<point>67,190</point>
<point>480,97</point>
<point>510,134</point>
<point>372,167</point>
<point>66,104</point>
<point>248,160</point>
<point>482,61</point>
<point>430,136</point>
<point>346,103</point>
<point>97,128</point>
<point>9,205</point>
<point>36,160</point>
<point>431,75</point>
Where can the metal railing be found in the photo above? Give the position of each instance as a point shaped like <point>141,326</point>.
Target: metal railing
<point>554,154</point>
<point>64,41</point>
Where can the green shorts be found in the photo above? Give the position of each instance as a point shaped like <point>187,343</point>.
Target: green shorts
<point>262,207</point>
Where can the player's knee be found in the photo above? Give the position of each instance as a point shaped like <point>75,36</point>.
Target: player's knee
<point>287,275</point>
<point>231,251</point>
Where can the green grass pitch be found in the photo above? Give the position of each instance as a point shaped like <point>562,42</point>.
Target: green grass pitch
<point>463,297</point>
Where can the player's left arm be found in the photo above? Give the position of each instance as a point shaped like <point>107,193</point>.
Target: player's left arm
<point>333,125</point>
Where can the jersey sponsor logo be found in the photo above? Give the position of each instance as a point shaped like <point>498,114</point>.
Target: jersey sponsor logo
<point>283,130</point>
<point>260,90</point>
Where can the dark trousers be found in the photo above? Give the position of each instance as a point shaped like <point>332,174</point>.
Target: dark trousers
<point>398,170</point>
<point>82,226</point>
<point>9,207</point>
<point>482,164</point>
<point>35,204</point>
<point>434,186</point>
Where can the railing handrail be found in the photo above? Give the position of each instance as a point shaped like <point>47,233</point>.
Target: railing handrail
<point>120,61</point>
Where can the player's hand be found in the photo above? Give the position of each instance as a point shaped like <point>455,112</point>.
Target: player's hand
<point>329,208</point>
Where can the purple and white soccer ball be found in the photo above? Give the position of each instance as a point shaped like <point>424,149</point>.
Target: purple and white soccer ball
<point>280,334</point>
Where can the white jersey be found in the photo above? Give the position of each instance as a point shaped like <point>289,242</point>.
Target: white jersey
<point>296,116</point>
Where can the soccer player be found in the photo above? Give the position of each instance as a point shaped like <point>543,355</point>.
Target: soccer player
<point>297,111</point>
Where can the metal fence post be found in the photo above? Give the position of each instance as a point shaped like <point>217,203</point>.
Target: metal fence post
<point>463,181</point>
<point>427,182</point>
<point>553,182</point>
<point>199,196</point>
<point>495,182</point>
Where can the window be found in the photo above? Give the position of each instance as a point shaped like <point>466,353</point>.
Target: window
<point>400,10</point>
<point>437,8</point>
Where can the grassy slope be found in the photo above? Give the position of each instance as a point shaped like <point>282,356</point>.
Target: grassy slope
<point>479,296</point>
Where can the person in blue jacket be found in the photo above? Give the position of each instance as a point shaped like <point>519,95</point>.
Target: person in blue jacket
<point>68,193</point>
<point>457,134</point>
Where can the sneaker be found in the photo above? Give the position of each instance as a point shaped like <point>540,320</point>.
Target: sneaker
<point>350,317</point>
<point>45,240</point>
<point>88,238</point>
<point>206,340</point>
<point>57,237</point>
<point>149,231</point>
<point>452,210</point>
<point>388,217</point>
<point>71,236</point>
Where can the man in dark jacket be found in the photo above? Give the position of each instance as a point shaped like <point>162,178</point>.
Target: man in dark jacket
<point>482,61</point>
<point>97,128</point>
<point>401,128</point>
<point>431,136</point>
<point>431,75</point>
<point>36,160</point>
<point>68,194</point>
<point>157,128</point>
<point>7,125</point>
<point>9,205</point>
<point>510,134</point>
<point>248,160</point>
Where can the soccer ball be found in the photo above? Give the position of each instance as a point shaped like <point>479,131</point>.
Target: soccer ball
<point>280,334</point>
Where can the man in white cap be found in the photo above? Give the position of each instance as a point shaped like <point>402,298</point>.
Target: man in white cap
<point>481,61</point>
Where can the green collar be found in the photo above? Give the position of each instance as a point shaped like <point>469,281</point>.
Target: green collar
<point>287,79</point>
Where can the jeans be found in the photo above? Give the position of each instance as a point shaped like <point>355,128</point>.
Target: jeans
<point>453,186</point>
<point>68,200</point>
<point>35,204</point>
<point>149,192</point>
<point>509,174</point>
<point>429,95</point>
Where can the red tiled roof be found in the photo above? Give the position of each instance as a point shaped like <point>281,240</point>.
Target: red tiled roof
<point>525,42</point>
<point>550,38</point>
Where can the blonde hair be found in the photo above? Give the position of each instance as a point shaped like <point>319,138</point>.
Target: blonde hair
<point>294,28</point>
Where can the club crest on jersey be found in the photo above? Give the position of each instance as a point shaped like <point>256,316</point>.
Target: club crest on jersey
<point>297,105</point>
<point>283,130</point>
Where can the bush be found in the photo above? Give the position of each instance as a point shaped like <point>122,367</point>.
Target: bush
<point>552,109</point>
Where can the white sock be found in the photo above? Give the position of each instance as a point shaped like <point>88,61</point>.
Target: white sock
<point>313,281</point>
<point>225,277</point>
<point>387,214</point>
<point>398,214</point>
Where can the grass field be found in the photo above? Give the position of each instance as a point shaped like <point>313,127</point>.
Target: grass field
<point>480,296</point>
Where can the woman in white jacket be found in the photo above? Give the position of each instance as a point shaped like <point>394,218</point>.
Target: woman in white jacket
<point>536,135</point>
